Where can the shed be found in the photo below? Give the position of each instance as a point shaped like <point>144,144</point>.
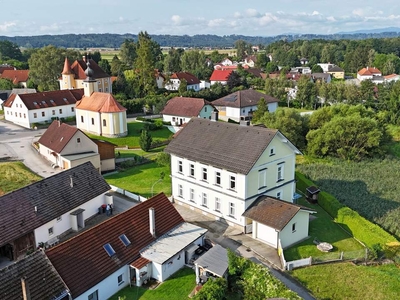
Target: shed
<point>312,194</point>
<point>215,262</point>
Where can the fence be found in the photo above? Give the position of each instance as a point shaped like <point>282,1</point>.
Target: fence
<point>128,194</point>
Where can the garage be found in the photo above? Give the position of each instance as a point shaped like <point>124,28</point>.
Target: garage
<point>267,234</point>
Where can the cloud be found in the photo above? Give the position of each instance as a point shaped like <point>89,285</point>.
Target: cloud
<point>251,12</point>
<point>6,26</point>
<point>177,20</point>
<point>216,22</point>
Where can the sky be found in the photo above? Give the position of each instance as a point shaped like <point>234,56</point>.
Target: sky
<point>180,17</point>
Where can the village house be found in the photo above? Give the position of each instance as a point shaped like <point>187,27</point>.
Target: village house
<point>193,83</point>
<point>179,110</point>
<point>220,76</point>
<point>107,154</point>
<point>369,73</point>
<point>17,77</point>
<point>149,240</point>
<point>336,72</point>
<point>242,104</point>
<point>220,169</point>
<point>38,214</point>
<point>66,146</point>
<point>27,109</point>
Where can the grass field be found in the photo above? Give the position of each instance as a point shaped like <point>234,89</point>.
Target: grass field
<point>177,287</point>
<point>14,175</point>
<point>132,139</point>
<point>347,281</point>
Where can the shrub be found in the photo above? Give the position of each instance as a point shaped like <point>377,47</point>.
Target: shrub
<point>159,123</point>
<point>213,289</point>
<point>145,140</point>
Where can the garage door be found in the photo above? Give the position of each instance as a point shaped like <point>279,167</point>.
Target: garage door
<point>267,234</point>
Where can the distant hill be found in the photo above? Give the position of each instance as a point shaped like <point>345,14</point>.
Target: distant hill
<point>108,40</point>
<point>369,31</point>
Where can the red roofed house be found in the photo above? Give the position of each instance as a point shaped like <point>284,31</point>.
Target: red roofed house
<point>368,73</point>
<point>27,109</point>
<point>73,76</point>
<point>180,110</point>
<point>391,77</point>
<point>193,83</point>
<point>149,240</point>
<point>220,76</point>
<point>99,113</point>
<point>4,67</point>
<point>18,77</point>
<point>66,146</point>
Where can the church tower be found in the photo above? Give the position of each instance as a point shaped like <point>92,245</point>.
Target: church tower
<point>89,84</point>
<point>67,81</point>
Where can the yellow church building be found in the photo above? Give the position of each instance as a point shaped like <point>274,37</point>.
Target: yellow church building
<point>98,112</point>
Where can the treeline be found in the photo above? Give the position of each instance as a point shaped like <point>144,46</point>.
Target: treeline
<point>108,40</point>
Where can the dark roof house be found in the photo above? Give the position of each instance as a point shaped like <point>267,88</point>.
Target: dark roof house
<point>184,106</point>
<point>57,136</point>
<point>243,98</point>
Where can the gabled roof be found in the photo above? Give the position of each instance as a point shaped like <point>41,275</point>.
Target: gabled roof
<point>57,136</point>
<point>390,76</point>
<point>4,67</point>
<point>47,99</point>
<point>273,212</point>
<point>79,66</point>
<point>52,196</point>
<point>189,77</point>
<point>100,102</point>
<point>214,260</point>
<point>212,143</point>
<point>82,262</point>
<point>220,75</point>
<point>184,106</point>
<point>368,71</point>
<point>43,280</point>
<point>16,76</point>
<point>335,69</point>
<point>243,98</point>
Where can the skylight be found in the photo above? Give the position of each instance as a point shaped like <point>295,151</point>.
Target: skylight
<point>124,240</point>
<point>110,250</point>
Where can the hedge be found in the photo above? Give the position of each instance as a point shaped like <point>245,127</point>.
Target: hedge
<point>362,229</point>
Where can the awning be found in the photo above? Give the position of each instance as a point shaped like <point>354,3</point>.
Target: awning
<point>140,263</point>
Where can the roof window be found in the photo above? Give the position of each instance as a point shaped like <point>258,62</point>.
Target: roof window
<point>109,249</point>
<point>124,240</point>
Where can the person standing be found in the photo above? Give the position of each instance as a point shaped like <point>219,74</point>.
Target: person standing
<point>111,208</point>
<point>108,208</point>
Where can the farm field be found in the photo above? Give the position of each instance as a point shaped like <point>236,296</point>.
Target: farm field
<point>368,187</point>
<point>14,175</point>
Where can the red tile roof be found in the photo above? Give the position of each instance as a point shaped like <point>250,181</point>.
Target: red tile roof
<point>82,262</point>
<point>5,67</point>
<point>57,136</point>
<point>390,76</point>
<point>100,102</point>
<point>184,106</point>
<point>190,78</point>
<point>79,67</point>
<point>140,263</point>
<point>47,99</point>
<point>243,98</point>
<point>67,67</point>
<point>220,75</point>
<point>16,76</point>
<point>368,71</point>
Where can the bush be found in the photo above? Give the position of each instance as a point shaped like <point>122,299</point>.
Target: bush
<point>145,140</point>
<point>213,289</point>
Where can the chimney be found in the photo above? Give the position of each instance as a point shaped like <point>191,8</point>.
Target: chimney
<point>214,116</point>
<point>25,289</point>
<point>35,209</point>
<point>152,222</point>
<point>367,67</point>
<point>71,184</point>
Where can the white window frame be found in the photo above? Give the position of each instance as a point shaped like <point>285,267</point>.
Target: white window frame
<point>262,179</point>
<point>180,190</point>
<point>217,204</point>
<point>279,195</point>
<point>204,199</point>
<point>59,219</point>
<point>231,211</point>
<point>280,172</point>
<point>218,177</point>
<point>191,195</point>
<point>94,295</point>
<point>294,227</point>
<point>204,174</point>
<point>232,182</point>
<point>180,166</point>
<point>50,231</point>
<point>272,151</point>
<point>191,170</point>
<point>120,279</point>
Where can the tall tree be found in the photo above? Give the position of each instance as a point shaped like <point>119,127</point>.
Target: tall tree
<point>195,62</point>
<point>172,61</point>
<point>128,53</point>
<point>6,84</point>
<point>262,108</point>
<point>145,140</point>
<point>105,66</point>
<point>242,49</point>
<point>96,56</point>
<point>305,92</point>
<point>116,66</point>
<point>9,50</point>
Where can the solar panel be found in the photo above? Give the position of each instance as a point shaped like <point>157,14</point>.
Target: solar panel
<point>110,251</point>
<point>124,240</point>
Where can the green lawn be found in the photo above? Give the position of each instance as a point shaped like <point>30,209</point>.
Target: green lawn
<point>152,153</point>
<point>132,139</point>
<point>139,179</point>
<point>14,175</point>
<point>177,287</point>
<point>348,281</point>
<point>325,230</point>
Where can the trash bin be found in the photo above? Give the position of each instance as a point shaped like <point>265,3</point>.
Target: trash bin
<point>104,208</point>
<point>100,210</point>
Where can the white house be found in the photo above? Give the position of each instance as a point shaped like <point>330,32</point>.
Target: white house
<point>368,73</point>
<point>242,104</point>
<point>179,110</point>
<point>27,109</point>
<point>150,240</point>
<point>42,211</point>
<point>193,83</point>
<point>220,169</point>
<point>220,76</point>
<point>66,146</point>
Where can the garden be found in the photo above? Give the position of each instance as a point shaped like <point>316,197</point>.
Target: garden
<point>15,175</point>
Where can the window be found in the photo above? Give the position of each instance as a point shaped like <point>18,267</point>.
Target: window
<point>204,200</point>
<point>218,178</point>
<point>92,121</point>
<point>191,195</point>
<point>180,166</point>
<point>53,112</point>
<point>231,209</point>
<point>120,279</point>
<point>294,227</point>
<point>51,231</point>
<point>173,119</point>
<point>192,170</point>
<point>59,219</point>
<point>24,116</point>
<point>271,151</point>
<point>279,195</point>
<point>205,109</point>
<point>280,172</point>
<point>94,295</point>
<point>60,110</point>
<point>43,114</point>
<point>99,89</point>
<point>109,249</point>
<point>82,119</point>
<point>16,114</point>
<point>180,190</point>
<point>35,115</point>
<point>20,115</point>
<point>72,109</point>
<point>78,140</point>
<point>205,174</point>
<point>106,89</point>
<point>262,178</point>
<point>232,182</point>
<point>104,123</point>
<point>217,204</point>
<point>124,240</point>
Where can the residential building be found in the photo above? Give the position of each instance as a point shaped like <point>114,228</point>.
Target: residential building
<point>28,109</point>
<point>74,76</point>
<point>304,61</point>
<point>326,66</point>
<point>193,83</point>
<point>66,146</point>
<point>4,67</point>
<point>179,110</point>
<point>42,211</point>
<point>368,73</point>
<point>107,154</point>
<point>336,72</point>
<point>300,70</point>
<point>220,169</point>
<point>99,113</point>
<point>148,240</point>
<point>33,276</point>
<point>220,76</point>
<point>17,77</point>
<point>325,77</point>
<point>391,77</point>
<point>242,104</point>
<point>250,61</point>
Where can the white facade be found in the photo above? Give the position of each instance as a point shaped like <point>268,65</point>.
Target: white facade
<point>226,195</point>
<point>174,83</point>
<point>205,113</point>
<point>235,113</point>
<point>296,230</point>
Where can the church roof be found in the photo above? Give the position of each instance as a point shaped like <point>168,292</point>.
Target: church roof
<point>67,67</point>
<point>100,102</point>
<point>79,67</point>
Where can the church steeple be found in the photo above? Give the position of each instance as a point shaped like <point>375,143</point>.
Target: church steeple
<point>90,84</point>
<point>67,81</point>
<point>67,67</point>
